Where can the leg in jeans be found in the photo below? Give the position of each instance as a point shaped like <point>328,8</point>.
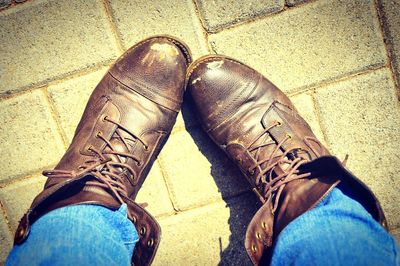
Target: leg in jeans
<point>289,170</point>
<point>128,117</point>
<point>78,235</point>
<point>339,231</point>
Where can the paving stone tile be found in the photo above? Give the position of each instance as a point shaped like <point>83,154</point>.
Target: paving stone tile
<point>18,196</point>
<point>213,235</point>
<point>197,172</point>
<point>70,98</point>
<point>138,19</point>
<point>392,25</point>
<point>219,14</point>
<point>305,105</point>
<point>5,239</point>
<point>155,193</point>
<point>361,117</point>
<point>29,139</point>
<point>303,46</point>
<point>43,40</point>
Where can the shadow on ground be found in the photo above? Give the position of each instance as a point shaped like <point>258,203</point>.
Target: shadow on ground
<point>231,184</point>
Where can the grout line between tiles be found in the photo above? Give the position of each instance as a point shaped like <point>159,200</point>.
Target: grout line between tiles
<point>56,80</point>
<point>203,29</point>
<point>113,26</point>
<point>169,190</point>
<point>385,34</point>
<point>335,80</point>
<point>7,220</point>
<point>317,111</point>
<point>206,204</point>
<point>267,15</point>
<point>26,176</point>
<point>57,121</point>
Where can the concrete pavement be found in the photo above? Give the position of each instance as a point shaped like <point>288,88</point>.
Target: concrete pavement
<point>338,60</point>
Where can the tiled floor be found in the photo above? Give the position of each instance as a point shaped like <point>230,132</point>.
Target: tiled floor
<point>338,60</point>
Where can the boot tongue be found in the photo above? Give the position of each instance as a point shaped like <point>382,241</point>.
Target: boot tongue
<point>119,146</point>
<point>265,151</point>
<point>282,168</point>
<point>300,153</point>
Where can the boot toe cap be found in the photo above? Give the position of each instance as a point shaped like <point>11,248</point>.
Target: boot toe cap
<point>219,85</point>
<point>155,68</point>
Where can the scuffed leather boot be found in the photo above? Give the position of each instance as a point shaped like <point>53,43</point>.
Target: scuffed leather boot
<point>259,129</point>
<point>126,121</point>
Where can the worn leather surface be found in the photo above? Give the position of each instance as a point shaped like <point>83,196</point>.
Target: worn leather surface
<point>127,119</point>
<point>261,131</point>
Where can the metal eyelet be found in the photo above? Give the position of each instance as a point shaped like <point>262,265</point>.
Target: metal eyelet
<point>138,163</point>
<point>134,219</point>
<point>90,148</point>
<point>278,123</point>
<point>258,235</point>
<point>105,118</point>
<point>254,248</point>
<point>98,134</point>
<point>81,167</point>
<point>20,232</point>
<point>150,242</point>
<point>146,148</point>
<point>142,231</point>
<point>264,225</point>
<point>288,136</point>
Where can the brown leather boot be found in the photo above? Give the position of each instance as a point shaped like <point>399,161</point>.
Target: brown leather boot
<point>259,129</point>
<point>126,122</point>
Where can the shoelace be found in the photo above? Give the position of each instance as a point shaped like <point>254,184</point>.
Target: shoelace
<point>267,181</point>
<point>105,170</point>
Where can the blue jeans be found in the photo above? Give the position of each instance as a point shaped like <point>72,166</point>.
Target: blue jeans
<point>339,231</point>
<point>78,235</point>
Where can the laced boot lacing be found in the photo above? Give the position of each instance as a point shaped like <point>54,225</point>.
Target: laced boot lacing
<point>108,172</point>
<point>270,185</point>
